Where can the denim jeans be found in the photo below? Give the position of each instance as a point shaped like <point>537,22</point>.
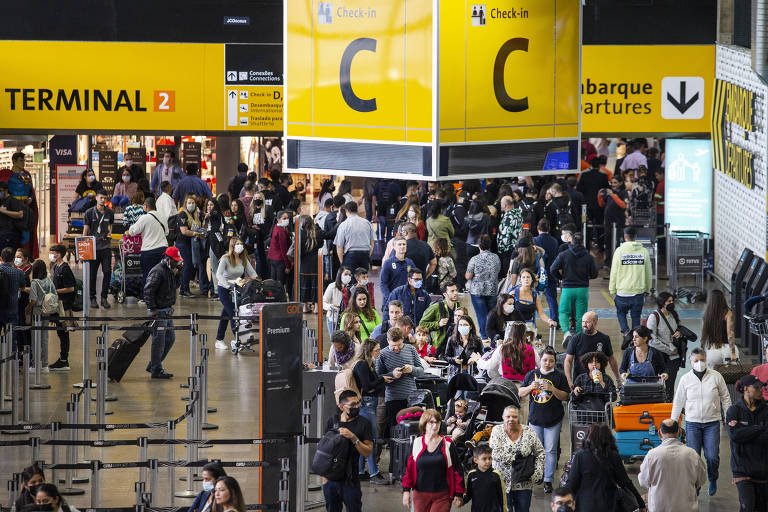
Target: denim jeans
<point>342,493</point>
<point>227,310</point>
<point>707,436</point>
<point>368,411</point>
<point>632,305</point>
<point>162,340</point>
<point>551,295</point>
<point>550,438</point>
<point>214,267</point>
<point>519,501</point>
<point>185,248</point>
<point>482,304</point>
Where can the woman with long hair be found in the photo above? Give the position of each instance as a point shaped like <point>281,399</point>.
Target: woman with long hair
<point>333,298</point>
<point>528,302</point>
<point>277,257</point>
<point>345,190</point>
<point>345,350</point>
<point>326,192</point>
<point>597,473</point>
<point>640,360</point>
<point>446,267</point>
<point>229,497</point>
<point>500,316</point>
<point>238,214</point>
<point>526,258</point>
<point>308,269</point>
<point>461,345</point>
<point>371,387</point>
<point>663,324</point>
<point>40,286</point>
<point>360,306</point>
<point>190,231</point>
<point>411,212</point>
<point>216,243</point>
<point>517,359</point>
<point>438,225</point>
<point>718,330</point>
<point>135,210</point>
<point>233,265</point>
<point>260,218</point>
<point>350,324</point>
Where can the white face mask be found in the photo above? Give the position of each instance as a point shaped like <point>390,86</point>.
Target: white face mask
<point>411,214</point>
<point>166,160</point>
<point>346,278</point>
<point>362,282</point>
<point>464,330</point>
<point>227,219</point>
<point>544,371</point>
<point>509,308</point>
<point>91,178</point>
<point>699,366</point>
<point>283,223</point>
<point>190,208</point>
<point>128,163</point>
<point>207,486</point>
<point>239,248</point>
<point>17,262</point>
<point>52,257</point>
<point>126,179</point>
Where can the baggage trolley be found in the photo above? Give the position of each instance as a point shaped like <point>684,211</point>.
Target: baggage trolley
<point>758,325</point>
<point>579,420</point>
<point>129,269</point>
<point>643,214</point>
<point>686,258</point>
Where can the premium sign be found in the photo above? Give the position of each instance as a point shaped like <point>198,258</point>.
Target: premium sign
<point>619,94</point>
<point>67,94</point>
<point>732,130</point>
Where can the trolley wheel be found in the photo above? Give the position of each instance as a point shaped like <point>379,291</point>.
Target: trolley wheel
<point>120,297</point>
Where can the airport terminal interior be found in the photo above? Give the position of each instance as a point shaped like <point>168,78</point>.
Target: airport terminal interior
<point>347,255</point>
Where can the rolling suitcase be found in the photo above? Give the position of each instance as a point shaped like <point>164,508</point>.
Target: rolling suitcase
<point>640,417</point>
<point>121,355</point>
<point>636,443</point>
<point>645,390</point>
<point>437,385</point>
<point>138,337</point>
<point>400,447</point>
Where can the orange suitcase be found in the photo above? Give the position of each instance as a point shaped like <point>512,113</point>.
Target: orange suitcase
<point>640,416</point>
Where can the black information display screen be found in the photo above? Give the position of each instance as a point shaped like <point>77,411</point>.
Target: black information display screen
<point>280,390</point>
<point>108,170</point>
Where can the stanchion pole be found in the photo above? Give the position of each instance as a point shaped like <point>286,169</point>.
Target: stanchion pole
<point>35,444</point>
<point>154,490</point>
<point>4,374</point>
<point>19,398</point>
<point>142,442</point>
<point>139,488</point>
<point>55,430</point>
<point>95,483</point>
<point>584,225</point>
<point>76,436</point>
<point>68,490</point>
<point>204,353</point>
<point>105,343</point>
<point>319,429</point>
<point>101,404</point>
<point>189,491</point>
<point>86,434</point>
<point>14,371</point>
<point>25,389</point>
<point>171,427</point>
<point>9,351</point>
<point>301,490</point>
<point>284,492</point>
<point>38,355</point>
<point>306,420</point>
<point>192,346</point>
<point>12,489</point>
<point>86,332</point>
<point>316,358</point>
<point>101,373</point>
<point>614,240</point>
<point>203,339</point>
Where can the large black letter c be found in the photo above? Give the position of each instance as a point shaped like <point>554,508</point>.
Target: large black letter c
<point>507,103</point>
<point>356,103</point>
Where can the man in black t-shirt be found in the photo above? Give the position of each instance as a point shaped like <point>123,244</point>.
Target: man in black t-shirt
<point>419,251</point>
<point>358,431</point>
<point>97,222</point>
<point>11,212</point>
<point>588,340</point>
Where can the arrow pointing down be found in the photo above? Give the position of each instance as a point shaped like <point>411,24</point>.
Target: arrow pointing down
<point>681,105</point>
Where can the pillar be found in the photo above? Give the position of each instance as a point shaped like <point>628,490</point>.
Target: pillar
<point>227,158</point>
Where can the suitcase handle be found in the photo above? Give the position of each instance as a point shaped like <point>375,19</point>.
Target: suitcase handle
<point>645,418</point>
<point>646,444</point>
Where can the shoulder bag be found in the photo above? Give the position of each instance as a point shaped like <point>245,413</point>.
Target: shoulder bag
<point>523,467</point>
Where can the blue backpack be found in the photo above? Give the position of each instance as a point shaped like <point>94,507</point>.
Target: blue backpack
<point>541,275</point>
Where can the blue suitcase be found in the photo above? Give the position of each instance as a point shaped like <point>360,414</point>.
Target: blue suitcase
<point>634,444</point>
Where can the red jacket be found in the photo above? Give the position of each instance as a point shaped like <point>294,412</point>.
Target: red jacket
<point>453,476</point>
<point>279,245</point>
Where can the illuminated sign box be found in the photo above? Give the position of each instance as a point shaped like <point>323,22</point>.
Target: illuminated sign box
<point>688,185</point>
<point>438,90</point>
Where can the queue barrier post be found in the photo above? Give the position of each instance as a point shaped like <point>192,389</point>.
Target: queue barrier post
<point>171,426</point>
<point>25,389</point>
<point>614,240</point>
<point>14,371</point>
<point>302,455</point>
<point>8,335</point>
<point>154,490</point>
<point>86,331</point>
<point>95,483</point>
<point>204,353</point>
<point>105,342</point>
<point>4,374</point>
<point>139,487</point>
<point>76,437</point>
<point>199,403</point>
<point>189,491</point>
<point>584,225</point>
<point>100,403</point>
<point>86,434</point>
<point>12,483</point>
<point>68,490</point>
<point>55,432</point>
<point>38,355</point>
<point>284,492</point>
<point>204,345</point>
<point>142,442</point>
<point>193,325</point>
<point>319,430</point>
<point>35,444</point>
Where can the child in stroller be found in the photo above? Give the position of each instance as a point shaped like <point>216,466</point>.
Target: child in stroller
<point>458,422</point>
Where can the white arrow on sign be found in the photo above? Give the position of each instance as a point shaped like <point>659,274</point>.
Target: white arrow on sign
<point>232,76</point>
<point>232,108</point>
<point>682,97</point>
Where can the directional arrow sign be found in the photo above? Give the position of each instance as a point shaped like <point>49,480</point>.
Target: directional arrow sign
<point>682,97</point>
<point>232,76</point>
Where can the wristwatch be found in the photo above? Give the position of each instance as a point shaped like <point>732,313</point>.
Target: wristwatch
<point>356,441</point>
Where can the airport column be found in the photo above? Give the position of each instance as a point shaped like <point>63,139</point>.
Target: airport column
<point>227,158</point>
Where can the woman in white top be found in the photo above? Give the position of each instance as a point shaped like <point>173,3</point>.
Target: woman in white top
<point>233,265</point>
<point>333,298</point>
<point>663,324</point>
<point>718,336</point>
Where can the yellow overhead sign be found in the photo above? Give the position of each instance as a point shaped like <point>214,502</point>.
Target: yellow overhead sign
<point>646,88</point>
<point>509,70</point>
<point>81,86</point>
<point>733,127</point>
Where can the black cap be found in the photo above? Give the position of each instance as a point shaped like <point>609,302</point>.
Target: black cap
<point>242,167</point>
<point>524,242</point>
<point>750,380</point>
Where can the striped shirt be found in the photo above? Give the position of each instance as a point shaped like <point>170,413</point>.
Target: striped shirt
<point>399,389</point>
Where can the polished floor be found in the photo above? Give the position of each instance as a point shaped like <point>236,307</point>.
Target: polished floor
<point>233,390</point>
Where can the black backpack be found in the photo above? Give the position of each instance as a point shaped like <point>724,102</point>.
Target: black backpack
<point>385,201</point>
<point>528,208</point>
<point>330,460</point>
<point>563,215</point>
<point>5,291</point>
<point>173,228</point>
<point>268,290</point>
<point>457,213</point>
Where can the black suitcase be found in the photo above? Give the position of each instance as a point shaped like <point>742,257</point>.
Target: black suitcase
<point>121,355</point>
<point>421,397</point>
<point>138,337</point>
<point>644,390</point>
<point>437,385</point>
<point>400,447</point>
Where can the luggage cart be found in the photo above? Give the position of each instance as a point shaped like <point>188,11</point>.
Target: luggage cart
<point>643,214</point>
<point>579,421</point>
<point>758,325</point>
<point>686,258</point>
<point>129,269</point>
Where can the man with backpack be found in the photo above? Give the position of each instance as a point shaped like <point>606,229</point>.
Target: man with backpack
<point>384,202</point>
<point>347,437</point>
<point>438,317</point>
<point>558,209</point>
<point>574,267</point>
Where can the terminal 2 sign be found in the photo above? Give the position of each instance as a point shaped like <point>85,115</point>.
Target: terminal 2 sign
<point>399,81</point>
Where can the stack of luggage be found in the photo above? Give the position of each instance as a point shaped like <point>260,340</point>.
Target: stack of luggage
<point>638,419</point>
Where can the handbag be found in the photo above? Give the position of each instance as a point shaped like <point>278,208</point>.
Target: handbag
<point>625,500</point>
<point>523,467</point>
<point>732,372</point>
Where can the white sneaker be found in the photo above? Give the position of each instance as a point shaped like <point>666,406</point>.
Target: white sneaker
<point>221,345</point>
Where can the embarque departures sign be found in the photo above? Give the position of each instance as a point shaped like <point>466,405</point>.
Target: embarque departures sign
<point>417,87</point>
<point>217,87</point>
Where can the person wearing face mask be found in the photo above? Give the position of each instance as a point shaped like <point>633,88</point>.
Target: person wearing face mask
<point>188,241</point>
<point>562,500</point>
<point>233,265</point>
<point>327,188</point>
<point>31,477</point>
<point>88,185</point>
<point>97,222</point>
<point>136,171</point>
<point>48,494</point>
<point>663,324</point>
<point>168,171</point>
<point>360,279</point>
<point>153,228</point>
<point>11,213</point>
<point>204,502</point>
<point>65,283</point>
<point>21,262</point>
<point>672,472</point>
<point>280,241</point>
<point>412,295</point>
<point>482,281</point>
<point>125,188</point>
<point>333,298</point>
<point>463,342</point>
<point>701,393</point>
<point>747,424</point>
<point>358,434</point>
<point>410,212</point>
<point>548,389</point>
<point>160,296</point>
<point>500,316</point>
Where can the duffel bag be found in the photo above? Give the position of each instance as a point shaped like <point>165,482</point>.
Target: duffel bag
<point>732,372</point>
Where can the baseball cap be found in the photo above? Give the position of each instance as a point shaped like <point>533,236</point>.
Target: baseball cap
<point>524,242</point>
<point>751,380</point>
<point>173,252</point>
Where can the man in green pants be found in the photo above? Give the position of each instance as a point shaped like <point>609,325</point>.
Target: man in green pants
<point>574,267</point>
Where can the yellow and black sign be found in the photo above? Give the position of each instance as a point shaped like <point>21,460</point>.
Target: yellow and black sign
<point>86,86</point>
<point>646,88</point>
<point>733,114</point>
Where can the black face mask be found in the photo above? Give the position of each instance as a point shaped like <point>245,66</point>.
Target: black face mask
<point>564,508</point>
<point>670,307</point>
<point>258,202</point>
<point>353,412</point>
